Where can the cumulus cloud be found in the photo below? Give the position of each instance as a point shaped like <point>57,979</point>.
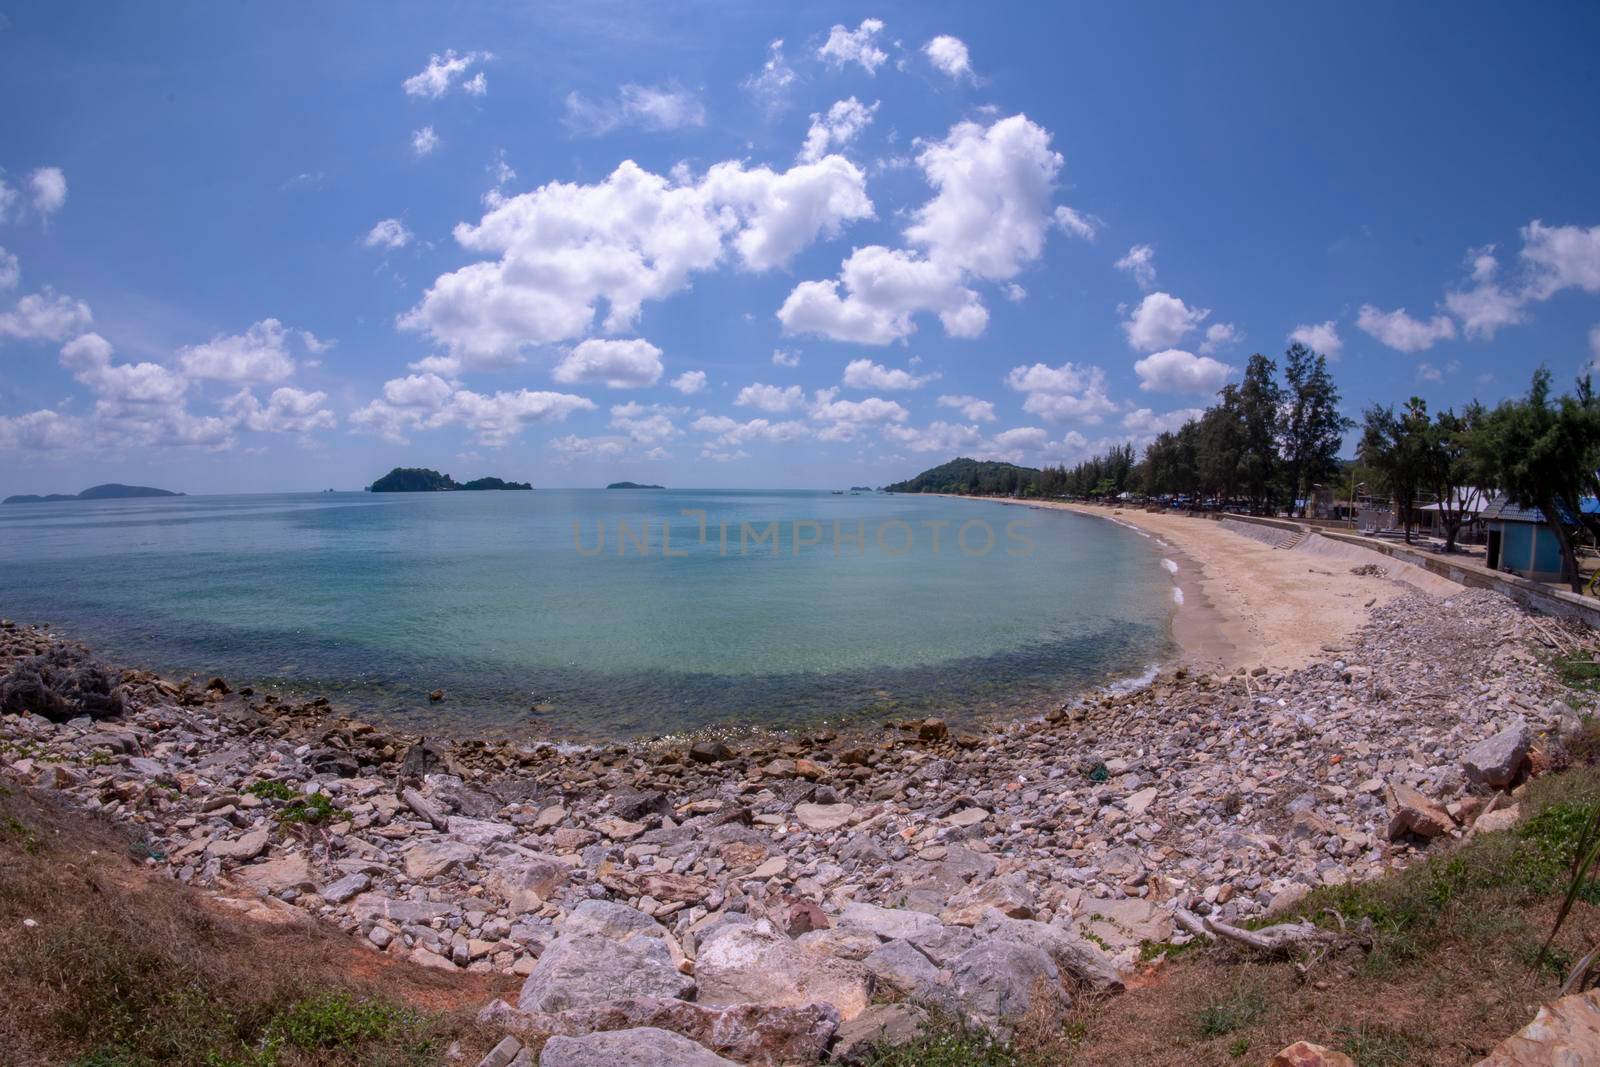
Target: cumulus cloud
<point>1319,337</point>
<point>444,71</point>
<point>844,418</point>
<point>842,124</point>
<point>854,46</point>
<point>8,198</point>
<point>288,410</point>
<point>1160,321</point>
<point>785,358</point>
<point>630,364</point>
<point>424,142</point>
<point>865,374</point>
<point>49,188</point>
<point>972,408</point>
<point>770,398</point>
<point>1561,257</point>
<point>1141,263</point>
<point>41,431</point>
<point>1219,335</point>
<point>730,434</point>
<point>1070,392</point>
<point>986,221</point>
<point>10,271</point>
<point>1075,223</point>
<point>1403,333</point>
<point>388,233</point>
<point>1176,371</point>
<point>427,401</point>
<point>949,54</point>
<point>1146,423</point>
<point>647,425</point>
<point>1594,342</point>
<point>563,248</point>
<point>645,107</point>
<point>690,382</point>
<point>770,85</point>
<point>939,436</point>
<point>45,316</point>
<point>260,354</point>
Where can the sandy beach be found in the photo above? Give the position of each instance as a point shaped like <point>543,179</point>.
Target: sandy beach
<point>1248,604</point>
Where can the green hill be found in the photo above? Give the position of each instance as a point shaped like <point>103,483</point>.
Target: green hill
<point>423,480</point>
<point>109,491</point>
<point>633,485</point>
<point>970,476</point>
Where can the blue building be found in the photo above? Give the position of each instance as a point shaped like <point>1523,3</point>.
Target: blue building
<point>1520,541</point>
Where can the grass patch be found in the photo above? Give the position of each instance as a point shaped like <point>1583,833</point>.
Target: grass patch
<point>313,810</point>
<point>1374,1045</point>
<point>1231,1011</point>
<point>948,1044</point>
<point>272,790</point>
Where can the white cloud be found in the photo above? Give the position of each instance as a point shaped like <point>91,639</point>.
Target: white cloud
<point>1428,372</point>
<point>1058,394</point>
<point>1561,257</point>
<point>260,354</point>
<point>629,364</point>
<point>987,220</point>
<point>972,408</point>
<point>635,236</point>
<point>732,434</point>
<point>88,357</point>
<point>41,431</point>
<point>785,358</point>
<point>770,398</point>
<point>45,316</point>
<point>690,382</point>
<point>1141,263</point>
<point>946,437</point>
<point>646,107</point>
<point>842,124</point>
<point>426,401</point>
<point>388,233</point>
<point>477,85</point>
<point>771,84</point>
<point>443,71</point>
<point>645,424</point>
<point>1014,292</point>
<point>1485,308</point>
<point>1319,337</point>
<point>1175,371</point>
<point>1160,321</point>
<point>846,417</point>
<point>288,410</point>
<point>8,197</point>
<point>854,46</point>
<point>949,54</point>
<point>10,271</point>
<point>865,374</point>
<point>1147,423</point>
<point>1594,342</point>
<point>49,187</point>
<point>1219,335</point>
<point>1403,333</point>
<point>1076,223</point>
<point>424,141</point>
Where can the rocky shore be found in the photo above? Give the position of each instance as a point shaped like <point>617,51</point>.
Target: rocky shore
<point>795,899</point>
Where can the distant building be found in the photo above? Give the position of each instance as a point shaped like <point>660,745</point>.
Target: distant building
<point>1520,541</point>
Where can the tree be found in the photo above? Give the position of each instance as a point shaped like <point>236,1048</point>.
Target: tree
<point>1393,446</point>
<point>1260,407</point>
<point>1452,470</point>
<point>1313,426</point>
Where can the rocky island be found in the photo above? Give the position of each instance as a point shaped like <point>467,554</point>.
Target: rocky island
<point>633,485</point>
<point>423,480</point>
<point>109,491</point>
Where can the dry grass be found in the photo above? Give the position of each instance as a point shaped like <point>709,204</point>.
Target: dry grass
<point>126,968</point>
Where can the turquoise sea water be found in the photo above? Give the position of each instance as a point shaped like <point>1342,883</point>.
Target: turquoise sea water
<point>512,604</point>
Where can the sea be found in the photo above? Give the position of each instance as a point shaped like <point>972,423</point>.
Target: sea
<point>598,614</point>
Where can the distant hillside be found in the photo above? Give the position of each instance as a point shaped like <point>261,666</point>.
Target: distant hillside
<point>633,485</point>
<point>109,491</point>
<point>423,480</point>
<point>976,477</point>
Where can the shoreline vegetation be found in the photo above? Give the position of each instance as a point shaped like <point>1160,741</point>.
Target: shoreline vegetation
<point>1078,888</point>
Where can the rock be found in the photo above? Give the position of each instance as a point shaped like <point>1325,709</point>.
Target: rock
<point>888,923</point>
<point>1499,819</point>
<point>1072,955</point>
<point>243,848</point>
<point>966,817</point>
<point>1305,1054</point>
<point>525,886</point>
<point>823,817</point>
<point>277,875</point>
<point>1498,761</point>
<point>619,829</point>
<point>1140,802</point>
<point>999,982</point>
<point>900,968</point>
<point>425,958</point>
<point>419,804</point>
<point>422,758</point>
<point>1009,894</point>
<point>584,970</point>
<point>710,752</point>
<point>755,964</point>
<point>879,1025</point>
<point>1125,923</point>
<point>480,833</point>
<point>436,696</point>
<point>932,730</point>
<point>1565,1033</point>
<point>608,919</point>
<point>1411,812</point>
<point>644,1046</point>
<point>345,888</point>
<point>431,858</point>
<point>502,1054</point>
<point>634,805</point>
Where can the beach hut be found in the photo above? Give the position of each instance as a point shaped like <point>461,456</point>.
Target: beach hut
<point>1521,542</point>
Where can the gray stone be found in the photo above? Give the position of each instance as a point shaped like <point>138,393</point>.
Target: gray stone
<point>429,859</point>
<point>525,886</point>
<point>502,1054</point>
<point>1073,955</point>
<point>998,982</point>
<point>1498,760</point>
<point>243,848</point>
<point>277,875</point>
<point>888,923</point>
<point>882,1025</point>
<point>584,970</point>
<point>823,817</point>
<point>345,888</point>
<point>899,967</point>
<point>608,919</point>
<point>1010,894</point>
<point>644,1046</point>
<point>755,964</point>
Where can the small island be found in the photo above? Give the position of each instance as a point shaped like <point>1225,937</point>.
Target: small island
<point>423,480</point>
<point>633,485</point>
<point>109,491</point>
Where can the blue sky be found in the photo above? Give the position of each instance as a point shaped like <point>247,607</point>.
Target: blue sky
<point>258,247</point>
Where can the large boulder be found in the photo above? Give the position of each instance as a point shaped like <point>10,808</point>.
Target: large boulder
<point>585,970</point>
<point>1411,812</point>
<point>1305,1054</point>
<point>527,884</point>
<point>756,964</point>
<point>823,817</point>
<point>999,982</point>
<point>882,1025</point>
<point>279,875</point>
<point>1566,1032</point>
<point>1498,761</point>
<point>60,685</point>
<point>607,918</point>
<point>432,857</point>
<point>899,968</point>
<point>888,923</point>
<point>1076,956</point>
<point>1010,894</point>
<point>643,1046</point>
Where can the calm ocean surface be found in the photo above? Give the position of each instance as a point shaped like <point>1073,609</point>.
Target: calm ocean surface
<point>528,624</point>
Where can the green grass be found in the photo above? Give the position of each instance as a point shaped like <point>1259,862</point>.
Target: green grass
<point>1378,1046</point>
<point>1581,674</point>
<point>1232,1011</point>
<point>947,1044</point>
<point>315,809</point>
<point>272,790</point>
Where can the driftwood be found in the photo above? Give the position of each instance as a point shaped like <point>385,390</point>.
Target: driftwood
<point>1280,940</point>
